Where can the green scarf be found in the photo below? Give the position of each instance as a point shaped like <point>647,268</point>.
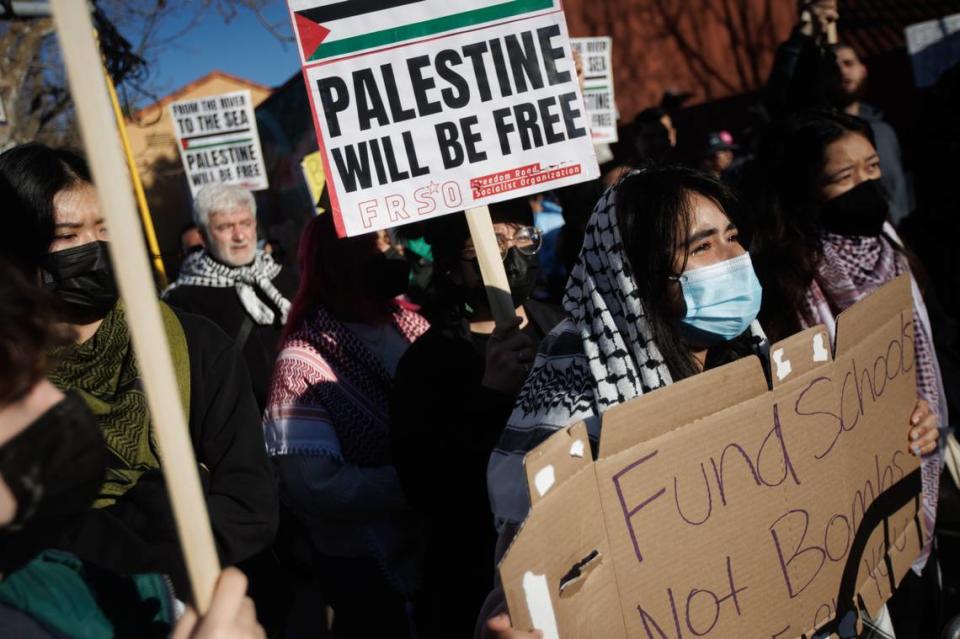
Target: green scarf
<point>103,371</point>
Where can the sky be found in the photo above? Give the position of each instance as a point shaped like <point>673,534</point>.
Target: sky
<point>242,47</point>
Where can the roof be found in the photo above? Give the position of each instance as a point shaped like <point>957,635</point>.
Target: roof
<point>171,97</point>
<point>874,27</point>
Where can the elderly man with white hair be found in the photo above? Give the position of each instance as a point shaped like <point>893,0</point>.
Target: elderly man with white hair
<point>233,283</point>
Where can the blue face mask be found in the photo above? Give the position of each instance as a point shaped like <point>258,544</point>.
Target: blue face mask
<point>722,300</point>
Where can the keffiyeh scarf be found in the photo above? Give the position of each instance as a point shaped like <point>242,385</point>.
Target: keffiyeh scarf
<point>601,356</point>
<point>326,375</point>
<point>103,371</point>
<point>200,269</point>
<point>853,267</point>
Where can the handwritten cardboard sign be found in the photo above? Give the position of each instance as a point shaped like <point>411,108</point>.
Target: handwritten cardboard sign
<point>429,107</point>
<point>718,508</point>
<point>219,142</point>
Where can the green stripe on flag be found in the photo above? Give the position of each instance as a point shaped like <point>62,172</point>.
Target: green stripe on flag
<point>428,27</point>
<point>208,146</point>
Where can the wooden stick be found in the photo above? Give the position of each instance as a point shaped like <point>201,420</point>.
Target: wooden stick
<point>132,270</point>
<point>491,264</point>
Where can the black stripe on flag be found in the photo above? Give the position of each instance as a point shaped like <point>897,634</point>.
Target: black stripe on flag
<point>350,8</point>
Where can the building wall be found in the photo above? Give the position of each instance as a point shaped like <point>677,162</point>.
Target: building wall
<point>711,48</point>
<point>154,146</point>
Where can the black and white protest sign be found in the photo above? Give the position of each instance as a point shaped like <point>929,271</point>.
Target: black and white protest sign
<point>218,141</point>
<point>595,55</point>
<point>457,105</point>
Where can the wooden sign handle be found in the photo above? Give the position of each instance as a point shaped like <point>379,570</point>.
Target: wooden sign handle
<point>132,270</point>
<point>491,264</point>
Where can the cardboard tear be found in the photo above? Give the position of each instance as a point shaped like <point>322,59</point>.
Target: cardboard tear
<point>571,582</point>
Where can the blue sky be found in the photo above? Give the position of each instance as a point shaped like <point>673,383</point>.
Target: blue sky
<point>243,47</point>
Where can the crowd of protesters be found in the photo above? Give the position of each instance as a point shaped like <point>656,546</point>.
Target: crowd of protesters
<point>360,424</point>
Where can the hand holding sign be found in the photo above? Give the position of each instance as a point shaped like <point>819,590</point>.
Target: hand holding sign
<point>499,628</point>
<point>924,434</point>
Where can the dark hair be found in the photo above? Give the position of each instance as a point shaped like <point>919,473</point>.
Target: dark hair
<point>785,211</point>
<point>652,215</point>
<point>28,333</point>
<point>34,174</point>
<point>331,276</point>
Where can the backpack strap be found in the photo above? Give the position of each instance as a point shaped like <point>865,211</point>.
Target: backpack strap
<point>179,353</point>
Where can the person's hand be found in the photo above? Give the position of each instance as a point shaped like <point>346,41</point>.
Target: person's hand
<point>499,628</point>
<point>818,17</point>
<point>509,357</point>
<point>923,429</point>
<point>231,615</point>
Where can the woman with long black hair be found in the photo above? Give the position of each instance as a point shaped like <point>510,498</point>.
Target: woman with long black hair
<point>821,241</point>
<point>56,235</point>
<point>662,291</point>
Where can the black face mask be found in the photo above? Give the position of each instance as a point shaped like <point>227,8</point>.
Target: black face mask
<point>860,211</point>
<point>386,277</point>
<point>54,469</point>
<point>522,274</point>
<point>82,279</point>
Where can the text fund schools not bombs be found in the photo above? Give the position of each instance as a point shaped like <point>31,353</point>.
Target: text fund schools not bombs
<point>453,115</point>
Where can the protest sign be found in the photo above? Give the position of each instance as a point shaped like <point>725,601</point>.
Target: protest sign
<point>219,142</point>
<point>934,47</point>
<point>718,508</point>
<point>595,55</point>
<point>427,107</point>
<point>316,179</point>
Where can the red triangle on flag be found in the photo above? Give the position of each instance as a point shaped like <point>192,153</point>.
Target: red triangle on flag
<point>311,35</point>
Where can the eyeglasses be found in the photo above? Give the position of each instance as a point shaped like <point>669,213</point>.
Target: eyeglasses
<point>527,240</point>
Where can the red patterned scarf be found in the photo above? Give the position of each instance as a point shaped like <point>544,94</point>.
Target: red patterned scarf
<point>325,373</point>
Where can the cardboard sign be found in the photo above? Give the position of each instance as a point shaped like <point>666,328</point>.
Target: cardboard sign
<point>598,86</point>
<point>429,107</point>
<point>313,175</point>
<point>718,508</point>
<point>934,48</point>
<point>219,142</point>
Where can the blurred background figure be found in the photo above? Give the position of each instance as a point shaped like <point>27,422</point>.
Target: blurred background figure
<point>327,428</point>
<point>717,153</point>
<point>853,88</point>
<point>233,283</point>
<point>454,389</point>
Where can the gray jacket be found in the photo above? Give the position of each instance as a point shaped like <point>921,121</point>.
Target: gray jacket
<point>894,178</point>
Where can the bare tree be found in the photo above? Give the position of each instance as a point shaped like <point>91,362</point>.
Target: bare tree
<point>32,84</point>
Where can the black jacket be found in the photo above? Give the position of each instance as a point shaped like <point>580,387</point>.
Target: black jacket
<point>805,75</point>
<point>444,425</point>
<point>137,534</point>
<point>223,307</point>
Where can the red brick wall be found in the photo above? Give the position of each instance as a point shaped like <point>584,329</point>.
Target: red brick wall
<point>711,48</point>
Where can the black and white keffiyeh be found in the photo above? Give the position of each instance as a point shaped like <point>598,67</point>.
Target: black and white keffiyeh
<point>200,269</point>
<point>601,356</point>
